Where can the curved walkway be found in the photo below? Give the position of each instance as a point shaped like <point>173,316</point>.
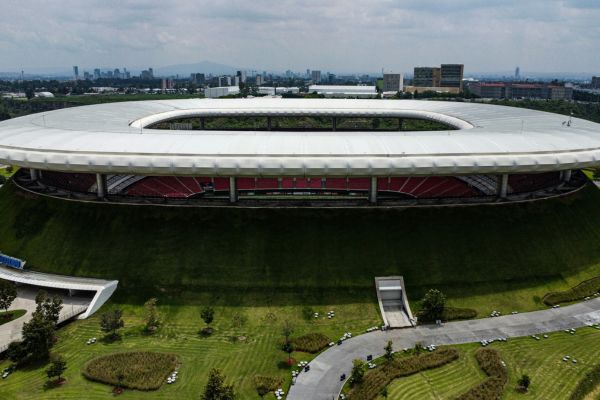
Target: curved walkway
<point>322,382</point>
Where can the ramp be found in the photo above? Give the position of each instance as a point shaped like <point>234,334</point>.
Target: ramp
<point>393,302</point>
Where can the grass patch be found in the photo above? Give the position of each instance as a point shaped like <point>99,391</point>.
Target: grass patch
<point>311,342</point>
<point>267,383</point>
<point>491,388</point>
<point>581,291</point>
<point>379,378</point>
<point>7,316</point>
<point>141,370</point>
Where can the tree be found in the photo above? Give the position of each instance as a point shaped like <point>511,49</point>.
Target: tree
<point>8,293</point>
<point>432,305</point>
<point>389,352</point>
<point>48,307</point>
<point>216,389</point>
<point>358,371</point>
<point>151,314</point>
<point>111,322</point>
<point>384,392</point>
<point>262,390</point>
<point>524,382</point>
<point>38,336</point>
<point>287,330</point>
<point>16,352</point>
<point>288,347</point>
<point>56,368</point>
<point>207,314</point>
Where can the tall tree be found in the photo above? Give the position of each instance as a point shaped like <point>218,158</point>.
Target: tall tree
<point>38,336</point>
<point>48,307</point>
<point>8,293</point>
<point>389,352</point>
<point>57,367</point>
<point>433,304</point>
<point>216,389</point>
<point>111,322</point>
<point>151,314</point>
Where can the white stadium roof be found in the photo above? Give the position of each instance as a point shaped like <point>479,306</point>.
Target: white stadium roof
<point>111,138</point>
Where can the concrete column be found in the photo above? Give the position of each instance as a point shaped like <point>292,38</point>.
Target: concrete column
<point>101,185</point>
<point>202,123</point>
<point>503,186</point>
<point>373,190</point>
<point>400,123</point>
<point>232,190</point>
<point>268,123</point>
<point>567,175</point>
<point>334,123</point>
<point>33,173</point>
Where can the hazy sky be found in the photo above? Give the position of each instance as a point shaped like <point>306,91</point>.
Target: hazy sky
<point>336,35</point>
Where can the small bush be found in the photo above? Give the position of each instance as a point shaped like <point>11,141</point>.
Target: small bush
<point>267,383</point>
<point>376,380</point>
<point>490,362</point>
<point>311,343</point>
<point>308,313</point>
<point>579,292</point>
<point>142,370</point>
<point>590,381</point>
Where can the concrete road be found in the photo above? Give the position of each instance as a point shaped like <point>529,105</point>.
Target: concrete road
<point>323,382</point>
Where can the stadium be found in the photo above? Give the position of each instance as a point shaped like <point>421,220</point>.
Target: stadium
<point>314,152</point>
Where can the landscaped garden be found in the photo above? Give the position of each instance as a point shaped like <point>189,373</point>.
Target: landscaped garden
<point>258,269</point>
<point>7,316</point>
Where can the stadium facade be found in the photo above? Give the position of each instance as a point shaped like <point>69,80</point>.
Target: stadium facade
<point>116,152</point>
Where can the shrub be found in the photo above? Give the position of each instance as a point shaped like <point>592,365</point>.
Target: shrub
<point>265,384</point>
<point>590,381</point>
<point>432,305</point>
<point>376,380</point>
<point>584,289</point>
<point>142,370</point>
<point>490,362</point>
<point>311,343</point>
<point>449,314</point>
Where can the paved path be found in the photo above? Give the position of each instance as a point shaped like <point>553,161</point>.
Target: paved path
<point>322,382</point>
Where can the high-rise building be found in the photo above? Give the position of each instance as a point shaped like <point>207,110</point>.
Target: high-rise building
<point>242,76</point>
<point>97,73</point>
<point>315,76</point>
<point>596,82</point>
<point>393,82</point>
<point>427,77</point>
<point>167,84</point>
<point>259,80</point>
<point>197,79</point>
<point>517,74</point>
<point>76,72</point>
<point>452,75</point>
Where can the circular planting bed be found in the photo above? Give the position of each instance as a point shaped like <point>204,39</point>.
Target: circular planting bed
<point>142,370</point>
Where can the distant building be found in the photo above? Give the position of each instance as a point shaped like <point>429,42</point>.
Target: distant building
<point>147,74</point>
<point>596,82</point>
<point>225,81</point>
<point>315,76</point>
<point>242,76</point>
<point>452,75</point>
<point>87,76</point>
<point>167,84</point>
<point>197,79</point>
<point>343,90</point>
<point>393,83</point>
<point>76,72</point>
<point>221,91</point>
<point>427,77</point>
<point>259,80</point>
<point>517,74</point>
<point>97,73</point>
<point>502,90</point>
<point>271,91</point>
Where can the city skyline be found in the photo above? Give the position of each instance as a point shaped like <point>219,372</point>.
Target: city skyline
<point>486,36</point>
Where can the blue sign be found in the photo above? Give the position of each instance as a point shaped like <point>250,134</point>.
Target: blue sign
<point>11,261</point>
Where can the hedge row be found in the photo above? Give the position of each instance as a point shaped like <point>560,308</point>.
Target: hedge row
<point>579,292</point>
<point>142,370</point>
<point>590,381</point>
<point>311,343</point>
<point>379,378</point>
<point>270,383</point>
<point>492,387</point>
<point>451,314</point>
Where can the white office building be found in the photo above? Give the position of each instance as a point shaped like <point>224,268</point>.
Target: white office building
<point>344,91</point>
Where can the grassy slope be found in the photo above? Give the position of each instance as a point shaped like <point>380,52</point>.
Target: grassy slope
<point>482,257</point>
<point>551,378</point>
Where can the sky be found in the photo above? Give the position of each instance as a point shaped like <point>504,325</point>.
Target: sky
<point>276,35</point>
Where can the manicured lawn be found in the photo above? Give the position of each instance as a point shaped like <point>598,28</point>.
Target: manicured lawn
<point>551,378</point>
<point>7,316</point>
